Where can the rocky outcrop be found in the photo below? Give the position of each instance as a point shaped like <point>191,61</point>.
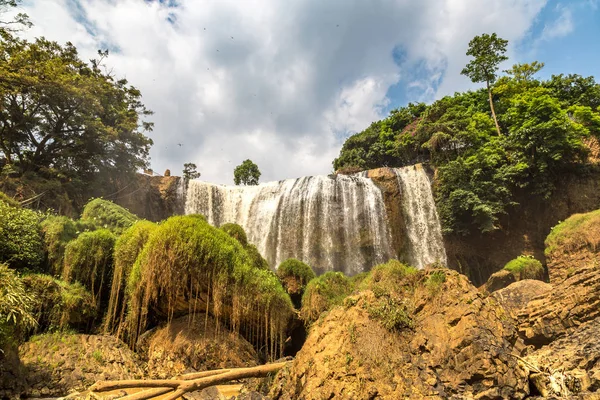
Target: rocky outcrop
<point>561,310</point>
<point>518,294</point>
<point>185,346</point>
<point>58,364</point>
<point>460,344</point>
<point>499,280</point>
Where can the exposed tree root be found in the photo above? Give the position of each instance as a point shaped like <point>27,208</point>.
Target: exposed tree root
<point>182,384</point>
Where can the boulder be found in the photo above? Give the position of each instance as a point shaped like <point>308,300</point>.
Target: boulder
<point>456,343</point>
<point>499,280</point>
<point>516,295</point>
<point>185,346</point>
<point>561,310</point>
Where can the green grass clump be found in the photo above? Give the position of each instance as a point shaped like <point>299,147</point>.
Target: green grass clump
<point>295,275</point>
<point>393,313</point>
<point>108,215</point>
<point>389,278</point>
<point>186,258</point>
<point>21,245</point>
<point>9,200</point>
<point>58,305</point>
<point>127,248</point>
<point>323,293</point>
<point>525,267</point>
<point>16,314</point>
<point>89,260</point>
<point>236,232</point>
<point>435,280</point>
<point>577,231</point>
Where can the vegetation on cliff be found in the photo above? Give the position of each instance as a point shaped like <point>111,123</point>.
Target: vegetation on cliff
<point>21,244</point>
<point>579,230</point>
<point>525,267</point>
<point>323,293</point>
<point>16,314</point>
<point>108,215</point>
<point>542,128</point>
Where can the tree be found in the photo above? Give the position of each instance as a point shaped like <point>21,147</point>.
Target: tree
<point>246,173</point>
<point>20,19</point>
<point>65,118</point>
<point>190,172</point>
<point>488,52</point>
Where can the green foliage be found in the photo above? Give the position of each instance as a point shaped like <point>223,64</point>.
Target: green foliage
<point>108,215</point>
<point>9,200</point>
<point>577,231</point>
<point>15,307</point>
<point>256,259</point>
<point>57,305</point>
<point>435,280</point>
<point>389,278</point>
<point>190,171</point>
<point>21,243</point>
<point>67,119</point>
<point>57,231</point>
<point>300,272</point>
<point>236,232</point>
<point>487,52</point>
<point>392,312</point>
<point>89,260</point>
<point>323,293</point>
<point>127,248</point>
<point>525,267</point>
<point>247,173</point>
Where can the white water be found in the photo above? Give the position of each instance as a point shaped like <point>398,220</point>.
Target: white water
<point>332,223</point>
<point>423,229</point>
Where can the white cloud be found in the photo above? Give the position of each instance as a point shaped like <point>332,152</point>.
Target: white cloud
<point>293,77</point>
<point>561,26</point>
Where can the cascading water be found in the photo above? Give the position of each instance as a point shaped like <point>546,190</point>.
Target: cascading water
<point>332,223</point>
<point>426,245</point>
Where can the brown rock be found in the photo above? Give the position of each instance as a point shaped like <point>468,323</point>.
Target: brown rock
<point>516,295</point>
<point>562,309</point>
<point>499,280</point>
<point>459,346</point>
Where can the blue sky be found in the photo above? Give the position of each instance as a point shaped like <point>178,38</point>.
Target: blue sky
<point>284,83</point>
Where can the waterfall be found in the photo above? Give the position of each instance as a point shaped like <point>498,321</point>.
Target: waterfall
<point>333,223</point>
<point>423,229</point>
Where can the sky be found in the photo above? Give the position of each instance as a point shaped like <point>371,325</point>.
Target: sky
<point>285,82</point>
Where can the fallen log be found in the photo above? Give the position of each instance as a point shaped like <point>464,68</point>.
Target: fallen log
<point>182,384</point>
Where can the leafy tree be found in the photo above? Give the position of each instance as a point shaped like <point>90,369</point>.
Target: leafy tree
<point>21,20</point>
<point>190,172</point>
<point>67,119</point>
<point>246,173</point>
<point>488,52</point>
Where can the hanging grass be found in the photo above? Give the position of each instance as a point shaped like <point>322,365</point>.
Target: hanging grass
<point>127,248</point>
<point>59,306</point>
<point>188,266</point>
<point>323,293</point>
<point>57,231</point>
<point>294,276</point>
<point>108,215</point>
<point>16,315</point>
<point>21,245</point>
<point>89,260</point>
<point>256,259</point>
<point>525,267</point>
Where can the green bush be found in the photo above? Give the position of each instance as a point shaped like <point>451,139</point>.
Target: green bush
<point>127,248</point>
<point>323,293</point>
<point>295,275</point>
<point>58,305</point>
<point>186,258</point>
<point>236,232</point>
<point>108,215</point>
<point>89,260</point>
<point>21,244</point>
<point>9,200</point>
<point>577,231</point>
<point>389,278</point>
<point>57,231</point>
<point>15,307</point>
<point>525,267</point>
<point>256,259</point>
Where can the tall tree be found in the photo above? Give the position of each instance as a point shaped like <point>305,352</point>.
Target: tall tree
<point>19,21</point>
<point>190,171</point>
<point>487,52</point>
<point>246,173</point>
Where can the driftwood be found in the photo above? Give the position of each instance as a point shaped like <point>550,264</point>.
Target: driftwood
<point>182,384</point>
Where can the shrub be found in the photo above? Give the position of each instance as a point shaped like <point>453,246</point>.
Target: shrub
<point>389,278</point>
<point>236,232</point>
<point>525,267</point>
<point>15,307</point>
<point>57,231</point>
<point>58,305</point>
<point>21,243</point>
<point>127,248</point>
<point>577,231</point>
<point>9,200</point>
<point>186,258</point>
<point>435,280</point>
<point>89,260</point>
<point>108,215</point>
<point>295,275</point>
<point>256,259</point>
<point>322,294</point>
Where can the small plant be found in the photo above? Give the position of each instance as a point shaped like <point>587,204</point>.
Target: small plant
<point>435,281</point>
<point>323,293</point>
<point>352,332</point>
<point>97,354</point>
<point>392,313</point>
<point>525,267</point>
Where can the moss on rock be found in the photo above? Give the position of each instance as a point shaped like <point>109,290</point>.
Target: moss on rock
<point>108,215</point>
<point>525,267</point>
<point>323,293</point>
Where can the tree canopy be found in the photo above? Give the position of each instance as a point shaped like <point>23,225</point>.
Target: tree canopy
<point>247,173</point>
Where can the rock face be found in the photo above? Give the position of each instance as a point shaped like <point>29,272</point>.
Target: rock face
<point>185,346</point>
<point>58,364</point>
<point>516,295</point>
<point>561,310</point>
<point>460,346</point>
<point>499,280</point>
